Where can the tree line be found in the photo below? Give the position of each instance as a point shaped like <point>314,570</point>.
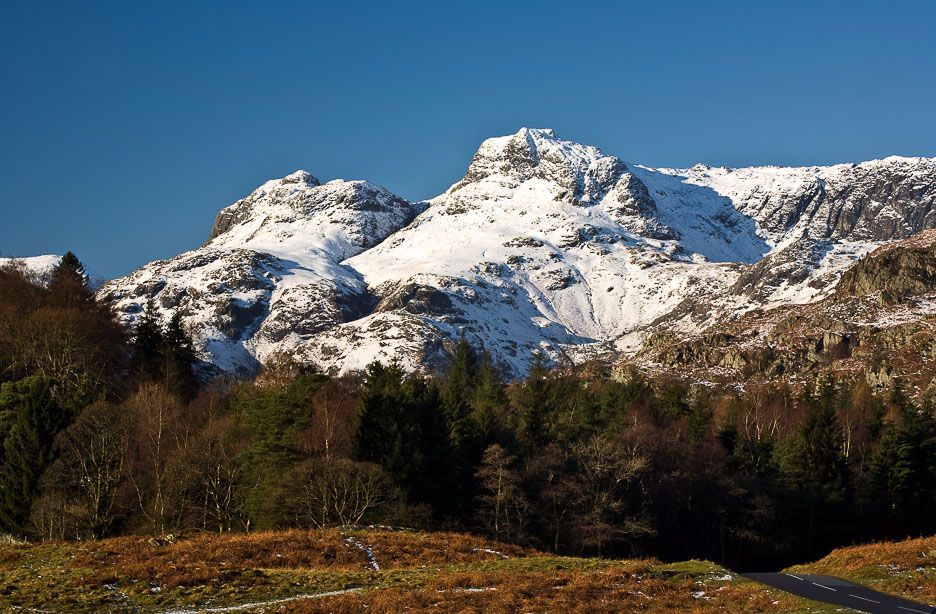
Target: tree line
<point>106,432</point>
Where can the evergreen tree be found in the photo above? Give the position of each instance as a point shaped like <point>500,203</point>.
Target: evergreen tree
<point>820,439</point>
<point>902,474</point>
<point>700,416</point>
<point>816,471</point>
<point>70,270</point>
<point>381,426</point>
<point>489,403</point>
<point>28,449</point>
<point>402,427</point>
<point>530,402</point>
<point>148,343</point>
<point>670,401</point>
<point>68,284</point>
<point>457,392</point>
<point>433,481</point>
<point>620,395</point>
<point>178,357</point>
<point>276,417</point>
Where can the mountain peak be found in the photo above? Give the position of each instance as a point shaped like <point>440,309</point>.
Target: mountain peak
<point>301,176</point>
<point>537,153</point>
<point>541,133</point>
<point>299,208</point>
<point>298,178</point>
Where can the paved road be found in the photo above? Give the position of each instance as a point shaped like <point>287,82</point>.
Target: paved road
<point>839,592</point>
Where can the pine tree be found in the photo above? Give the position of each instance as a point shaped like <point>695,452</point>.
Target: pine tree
<point>489,402</point>
<point>432,481</point>
<point>700,416</point>
<point>70,269</point>
<point>457,393</point>
<point>902,473</point>
<point>148,343</point>
<point>379,419</point>
<point>28,449</point>
<point>530,401</point>
<point>68,284</point>
<point>178,356</point>
<point>816,470</point>
<point>402,427</point>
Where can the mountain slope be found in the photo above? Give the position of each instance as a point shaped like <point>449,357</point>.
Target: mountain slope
<point>270,275</point>
<point>38,267</point>
<point>544,245</point>
<point>879,323</point>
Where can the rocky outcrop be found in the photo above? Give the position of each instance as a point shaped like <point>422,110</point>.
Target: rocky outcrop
<point>895,272</point>
<point>879,324</point>
<point>242,211</point>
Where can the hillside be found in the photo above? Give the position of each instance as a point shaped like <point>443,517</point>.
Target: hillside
<point>544,246</point>
<point>906,568</point>
<point>878,324</point>
<point>384,571</point>
<point>332,571</point>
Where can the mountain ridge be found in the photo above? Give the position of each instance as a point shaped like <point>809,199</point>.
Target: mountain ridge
<point>544,246</point>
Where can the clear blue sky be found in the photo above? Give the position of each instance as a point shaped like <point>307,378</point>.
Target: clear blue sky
<point>125,126</point>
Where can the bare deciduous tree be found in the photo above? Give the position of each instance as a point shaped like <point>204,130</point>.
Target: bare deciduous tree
<point>158,436</point>
<point>95,451</point>
<point>216,470</point>
<point>334,407</point>
<point>606,465</point>
<point>503,505</point>
<point>341,492</point>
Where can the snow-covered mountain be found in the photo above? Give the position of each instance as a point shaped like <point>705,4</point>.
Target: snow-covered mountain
<point>544,245</point>
<point>38,267</point>
<point>270,276</point>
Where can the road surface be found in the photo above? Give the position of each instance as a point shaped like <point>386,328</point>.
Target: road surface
<point>839,592</point>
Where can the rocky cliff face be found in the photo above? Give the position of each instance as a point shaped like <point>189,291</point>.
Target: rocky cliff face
<point>545,246</point>
<point>880,200</point>
<point>879,323</point>
<point>896,272</point>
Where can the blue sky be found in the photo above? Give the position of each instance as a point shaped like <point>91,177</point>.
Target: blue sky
<point>126,126</point>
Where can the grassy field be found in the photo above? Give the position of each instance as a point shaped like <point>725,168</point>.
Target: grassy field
<point>388,571</point>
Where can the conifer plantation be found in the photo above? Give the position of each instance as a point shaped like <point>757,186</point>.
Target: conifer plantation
<point>107,432</point>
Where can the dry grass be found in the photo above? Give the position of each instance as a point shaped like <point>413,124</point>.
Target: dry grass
<point>628,587</point>
<point>418,571</point>
<point>907,554</point>
<point>211,558</point>
<point>428,549</point>
<point>204,558</point>
<point>905,568</point>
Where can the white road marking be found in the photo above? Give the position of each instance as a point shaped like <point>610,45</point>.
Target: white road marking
<point>863,598</point>
<point>829,588</point>
<point>823,586</point>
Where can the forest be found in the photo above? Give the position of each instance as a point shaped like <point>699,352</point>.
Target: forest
<point>106,431</point>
